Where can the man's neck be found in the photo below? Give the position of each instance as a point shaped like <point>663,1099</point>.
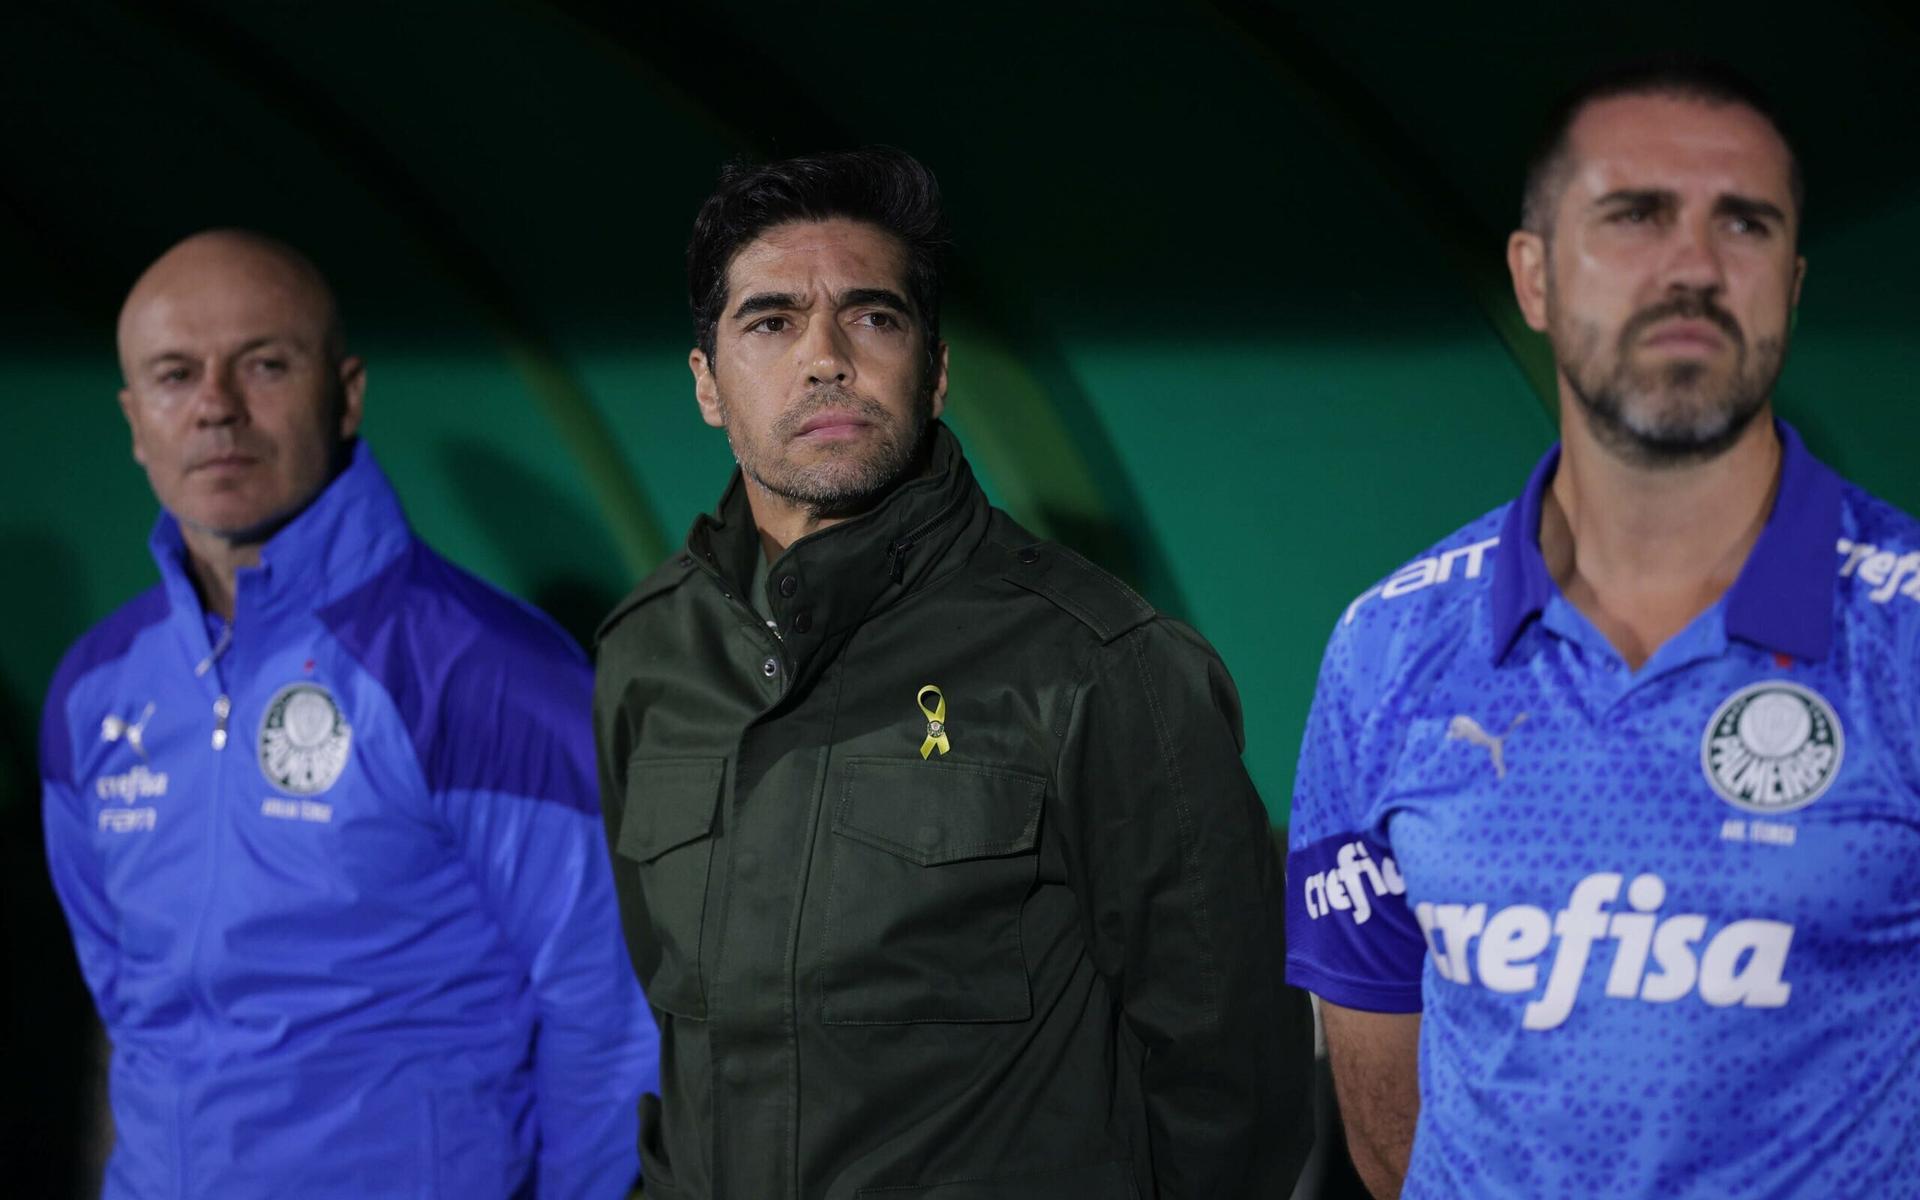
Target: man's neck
<point>1642,551</point>
<point>214,563</point>
<point>781,521</point>
<point>214,560</point>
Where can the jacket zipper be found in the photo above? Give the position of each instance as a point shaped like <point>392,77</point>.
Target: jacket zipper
<point>222,706</point>
<point>897,553</point>
<point>745,604</point>
<point>222,709</point>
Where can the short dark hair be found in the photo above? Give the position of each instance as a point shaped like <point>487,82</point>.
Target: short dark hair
<point>1678,76</point>
<point>880,185</point>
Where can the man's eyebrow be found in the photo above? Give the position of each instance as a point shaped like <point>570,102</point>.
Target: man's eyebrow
<point>1638,196</point>
<point>766,302</point>
<point>246,347</point>
<point>1750,207</point>
<point>879,297</point>
<point>285,340</point>
<point>1730,205</point>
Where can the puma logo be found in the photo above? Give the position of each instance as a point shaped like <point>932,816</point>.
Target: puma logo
<point>113,728</point>
<point>1465,729</point>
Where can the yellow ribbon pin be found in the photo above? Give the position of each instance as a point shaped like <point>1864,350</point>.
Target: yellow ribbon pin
<point>936,721</point>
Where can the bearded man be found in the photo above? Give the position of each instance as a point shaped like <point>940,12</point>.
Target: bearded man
<point>935,852</point>
<point>1605,826</point>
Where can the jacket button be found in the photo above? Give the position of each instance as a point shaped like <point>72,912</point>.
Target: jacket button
<point>1029,554</point>
<point>770,668</point>
<point>788,585</point>
<point>802,621</point>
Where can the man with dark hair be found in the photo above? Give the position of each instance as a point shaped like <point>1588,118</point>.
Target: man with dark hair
<point>1550,165</point>
<point>1609,803</point>
<point>320,806</point>
<point>933,844</point>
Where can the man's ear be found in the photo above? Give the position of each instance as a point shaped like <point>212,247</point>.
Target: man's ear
<point>1799,278</point>
<point>706,390</point>
<point>353,394</point>
<point>1527,263</point>
<point>133,425</point>
<point>940,380</point>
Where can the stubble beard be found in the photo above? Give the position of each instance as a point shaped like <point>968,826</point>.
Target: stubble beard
<point>261,529</point>
<point>852,476</point>
<point>1670,414</point>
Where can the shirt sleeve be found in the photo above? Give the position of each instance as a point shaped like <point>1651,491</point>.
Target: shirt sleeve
<point>1351,935</point>
<point>73,862</point>
<point>536,851</point>
<point>1171,858</point>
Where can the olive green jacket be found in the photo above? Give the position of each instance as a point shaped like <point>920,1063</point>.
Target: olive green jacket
<point>1041,960</point>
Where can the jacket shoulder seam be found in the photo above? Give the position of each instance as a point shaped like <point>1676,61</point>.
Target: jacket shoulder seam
<point>665,578</point>
<point>1079,588</point>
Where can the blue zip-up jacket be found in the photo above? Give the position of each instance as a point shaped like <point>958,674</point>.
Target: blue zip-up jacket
<point>338,885</point>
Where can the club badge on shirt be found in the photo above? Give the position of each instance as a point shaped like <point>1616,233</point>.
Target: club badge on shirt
<point>1772,747</point>
<point>304,739</point>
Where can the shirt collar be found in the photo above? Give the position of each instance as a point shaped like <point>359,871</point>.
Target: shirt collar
<point>1521,586</point>
<point>842,574</point>
<point>350,530</point>
<point>1782,598</point>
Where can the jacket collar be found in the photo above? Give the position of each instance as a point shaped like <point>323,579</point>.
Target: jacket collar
<point>847,572</point>
<point>352,528</point>
<point>1782,598</point>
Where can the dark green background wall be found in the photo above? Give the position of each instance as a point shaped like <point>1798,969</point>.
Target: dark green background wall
<point>1228,310</point>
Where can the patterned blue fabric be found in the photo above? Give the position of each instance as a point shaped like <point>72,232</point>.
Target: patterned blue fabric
<point>365,943</point>
<point>1663,926</point>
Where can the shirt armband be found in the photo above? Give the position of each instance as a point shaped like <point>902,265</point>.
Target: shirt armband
<point>1351,936</point>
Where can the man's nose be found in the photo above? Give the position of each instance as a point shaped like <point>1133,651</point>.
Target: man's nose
<point>218,400</point>
<point>1693,260</point>
<point>825,352</point>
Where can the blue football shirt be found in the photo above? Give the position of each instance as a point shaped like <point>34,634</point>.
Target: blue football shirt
<point>1663,927</point>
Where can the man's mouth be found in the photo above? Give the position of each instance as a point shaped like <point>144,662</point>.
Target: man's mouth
<point>1685,325</point>
<point>832,424</point>
<point>1683,335</point>
<point>227,460</point>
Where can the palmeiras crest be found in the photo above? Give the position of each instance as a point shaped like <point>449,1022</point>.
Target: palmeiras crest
<point>304,740</point>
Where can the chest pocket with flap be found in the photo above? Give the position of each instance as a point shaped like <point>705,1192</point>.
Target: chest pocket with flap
<point>667,830</point>
<point>932,863</point>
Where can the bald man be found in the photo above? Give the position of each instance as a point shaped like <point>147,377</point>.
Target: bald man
<point>321,807</point>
